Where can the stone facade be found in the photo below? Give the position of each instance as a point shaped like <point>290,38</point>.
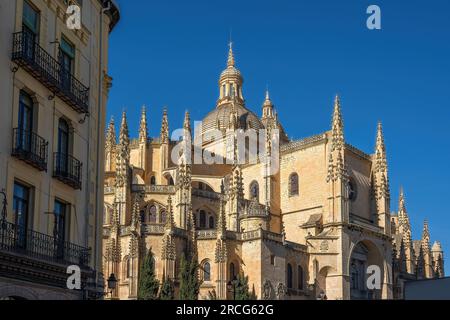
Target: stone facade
<point>53,96</point>
<point>310,229</point>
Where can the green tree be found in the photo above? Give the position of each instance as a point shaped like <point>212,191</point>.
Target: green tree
<point>148,284</point>
<point>189,282</point>
<point>242,289</point>
<point>167,290</point>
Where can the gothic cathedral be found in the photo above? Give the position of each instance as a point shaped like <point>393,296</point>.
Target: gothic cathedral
<point>310,229</point>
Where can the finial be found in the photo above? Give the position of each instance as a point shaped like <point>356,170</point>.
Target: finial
<point>230,55</point>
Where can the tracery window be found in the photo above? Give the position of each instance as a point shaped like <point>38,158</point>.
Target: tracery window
<point>152,214</point>
<point>293,184</point>
<point>254,190</point>
<point>206,272</point>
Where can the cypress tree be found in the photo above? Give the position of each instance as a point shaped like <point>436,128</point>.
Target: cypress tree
<point>189,282</point>
<point>167,290</point>
<point>242,289</point>
<point>148,284</point>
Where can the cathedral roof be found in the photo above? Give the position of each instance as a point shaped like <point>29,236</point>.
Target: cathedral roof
<point>219,118</point>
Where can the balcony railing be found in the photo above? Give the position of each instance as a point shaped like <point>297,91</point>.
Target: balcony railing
<point>16,239</point>
<point>67,169</point>
<point>31,148</point>
<point>211,195</point>
<point>28,54</point>
<point>163,189</point>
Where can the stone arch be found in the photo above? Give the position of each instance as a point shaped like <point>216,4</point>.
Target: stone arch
<point>365,253</point>
<point>202,185</point>
<point>326,283</point>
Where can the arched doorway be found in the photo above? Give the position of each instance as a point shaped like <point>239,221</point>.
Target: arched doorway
<point>364,255</point>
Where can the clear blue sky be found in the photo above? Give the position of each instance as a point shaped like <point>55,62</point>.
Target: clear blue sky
<point>170,53</point>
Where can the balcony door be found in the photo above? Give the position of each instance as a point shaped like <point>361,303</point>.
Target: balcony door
<point>60,227</point>
<point>63,147</point>
<point>30,28</point>
<point>21,209</point>
<point>25,122</point>
<point>67,57</point>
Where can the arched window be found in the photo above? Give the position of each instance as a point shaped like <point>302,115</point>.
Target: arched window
<point>202,219</point>
<point>293,184</point>
<point>153,181</point>
<point>352,192</point>
<point>152,214</point>
<point>300,278</point>
<point>232,271</point>
<point>231,90</point>
<point>211,222</point>
<point>224,91</point>
<point>289,276</point>
<point>171,183</point>
<point>162,216</point>
<point>206,272</point>
<point>254,191</point>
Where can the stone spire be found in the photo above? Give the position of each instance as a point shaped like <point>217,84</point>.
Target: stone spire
<point>268,110</point>
<point>123,153</point>
<point>426,237</point>
<point>221,221</point>
<point>135,217</point>
<point>187,122</point>
<point>164,136</point>
<point>337,126</point>
<point>143,132</point>
<point>111,135</point>
<point>336,165</point>
<point>380,150</point>
<point>124,138</point>
<point>380,182</point>
<point>170,221</point>
<point>403,217</point>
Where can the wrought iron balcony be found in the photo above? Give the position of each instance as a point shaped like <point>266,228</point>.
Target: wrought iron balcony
<point>67,169</point>
<point>31,148</point>
<point>28,54</point>
<point>15,239</point>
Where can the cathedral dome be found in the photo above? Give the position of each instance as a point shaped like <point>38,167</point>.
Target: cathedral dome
<point>219,119</point>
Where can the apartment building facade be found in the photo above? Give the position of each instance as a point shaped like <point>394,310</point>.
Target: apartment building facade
<point>53,93</point>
